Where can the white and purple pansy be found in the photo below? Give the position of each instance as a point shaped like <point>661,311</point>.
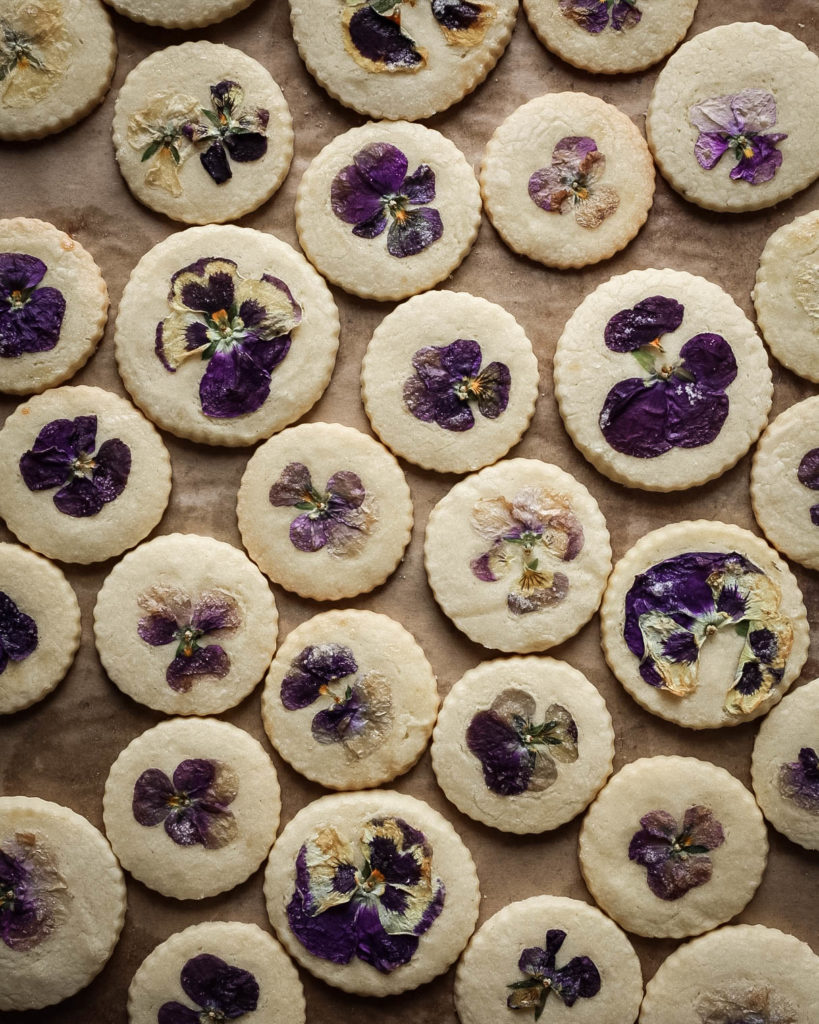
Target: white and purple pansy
<point>18,632</point>
<point>32,892</point>
<point>229,131</point>
<point>594,15</point>
<point>808,475</point>
<point>570,183</point>
<point>240,326</point>
<point>578,979</point>
<point>799,780</point>
<point>676,856</point>
<point>30,317</point>
<point>755,1005</point>
<point>738,121</point>
<point>370,899</point>
<point>221,992</point>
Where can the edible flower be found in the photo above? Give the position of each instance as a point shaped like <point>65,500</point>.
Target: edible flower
<point>799,780</point>
<point>578,979</point>
<point>593,15</point>
<point>223,992</point>
<point>737,121</point>
<point>230,130</point>
<point>808,476</point>
<point>676,858</point>
<point>30,317</point>
<point>32,893</point>
<point>194,807</point>
<point>569,184</point>
<point>157,132</point>
<point>35,51</point>
<point>18,632</point>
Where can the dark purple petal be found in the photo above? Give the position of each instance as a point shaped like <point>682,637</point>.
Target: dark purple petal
<point>35,327</point>
<point>492,386</point>
<point>347,718</point>
<point>814,514</point>
<point>176,1013</point>
<point>381,40</point>
<point>233,384</point>
<point>673,878</point>
<point>246,146</point>
<point>376,947</point>
<point>634,418</point>
<point>329,935</point>
<point>157,629</point>
<point>708,149</point>
<point>293,486</point>
<point>346,491</point>
<point>419,187</point>
<point>460,359</point>
<point>383,166</point>
<point>762,165</point>
<point>48,463</point>
<point>710,359</point>
<point>216,985</point>
<point>194,776</point>
<point>507,764</point>
<point>215,610</point>
<point>592,15</point>
<point>681,647</point>
<point>537,962</point>
<point>18,631</point>
<point>648,320</point>
<point>799,780</point>
<point>153,791</point>
<point>317,666</point>
<point>354,200</point>
<point>548,190</point>
<point>701,828</point>
<point>215,162</point>
<point>205,661</point>
<point>732,602</point>
<point>308,534</point>
<point>808,471</point>
<point>79,499</point>
<point>578,979</point>
<point>624,15</point>
<point>373,226</point>
<point>695,413</point>
<point>764,644</point>
<point>112,470</point>
<point>189,826</point>
<point>414,232</point>
<point>455,14</point>
<point>433,910</point>
<point>450,412</point>
<point>19,272</point>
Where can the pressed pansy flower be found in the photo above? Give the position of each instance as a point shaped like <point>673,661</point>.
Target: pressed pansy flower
<point>30,317</point>
<point>64,456</point>
<point>221,991</point>
<point>157,133</point>
<point>375,40</point>
<point>759,1005</point>
<point>462,22</point>
<point>578,979</point>
<point>808,475</point>
<point>18,632</point>
<point>676,857</point>
<point>737,121</point>
<point>570,183</point>
<point>593,15</point>
<point>32,892</point>
<point>375,190</point>
<point>35,50</point>
<point>229,130</point>
<point>370,899</point>
<point>799,780</point>
<point>240,326</point>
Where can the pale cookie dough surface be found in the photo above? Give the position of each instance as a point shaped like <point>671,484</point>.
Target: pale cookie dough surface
<point>400,374</point>
<point>490,965</point>
<point>742,972</point>
<point>355,517</point>
<point>724,62</point>
<point>485,765</point>
<point>363,265</point>
<point>182,13</point>
<point>217,793</point>
<point>454,63</point>
<point>177,588</point>
<point>120,523</point>
<point>786,295</point>
<point>69,269</point>
<point>509,594</point>
<point>73,878</point>
<point>717,662</point>
<point>174,87</point>
<point>40,592</point>
<point>549,200</point>
<point>587,370</point>
<point>188,956</point>
<point>345,821</point>
<point>391,707</point>
<point>730,833</point>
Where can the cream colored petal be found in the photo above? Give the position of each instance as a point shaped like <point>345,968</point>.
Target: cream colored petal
<point>175,339</point>
<point>281,313</point>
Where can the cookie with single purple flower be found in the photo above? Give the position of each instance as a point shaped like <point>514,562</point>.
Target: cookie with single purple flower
<point>372,892</point>
<point>191,807</point>
<point>202,133</point>
<point>62,902</point>
<point>567,179</point>
<point>727,118</point>
<point>86,475</point>
<point>182,14</point>
<point>388,209</point>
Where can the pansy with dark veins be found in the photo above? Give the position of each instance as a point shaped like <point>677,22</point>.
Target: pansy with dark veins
<point>18,632</point>
<point>808,476</point>
<point>194,806</point>
<point>737,121</point>
<point>30,317</point>
<point>676,857</point>
<point>578,979</point>
<point>569,183</point>
<point>221,991</point>
<point>593,15</point>
<point>33,893</point>
<point>799,780</point>
<point>229,130</point>
<point>756,1005</point>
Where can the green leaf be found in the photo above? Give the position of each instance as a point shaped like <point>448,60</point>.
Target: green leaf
<point>382,6</point>
<point>304,506</point>
<point>151,149</point>
<point>174,153</point>
<point>209,114</point>
<point>645,356</point>
<point>742,628</point>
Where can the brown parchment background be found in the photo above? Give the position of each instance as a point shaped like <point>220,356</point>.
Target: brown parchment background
<point>61,749</point>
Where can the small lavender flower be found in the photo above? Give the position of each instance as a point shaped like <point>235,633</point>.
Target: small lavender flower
<point>18,632</point>
<point>808,475</point>
<point>578,979</point>
<point>569,183</point>
<point>30,317</point>
<point>737,121</point>
<point>194,807</point>
<point>799,780</point>
<point>222,992</point>
<point>593,15</point>
<point>676,858</point>
<point>230,130</point>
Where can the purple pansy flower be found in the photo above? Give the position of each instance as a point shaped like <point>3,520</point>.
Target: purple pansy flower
<point>370,899</point>
<point>18,632</point>
<point>30,317</point>
<point>230,131</point>
<point>799,780</point>
<point>449,378</point>
<point>32,893</point>
<point>375,190</point>
<point>676,858</point>
<point>240,326</point>
<point>808,475</point>
<point>222,992</point>
<point>194,807</point>
<point>759,1005</point>
<point>736,121</point>
<point>63,455</point>
<point>593,15</point>
<point>569,183</point>
<point>578,979</point>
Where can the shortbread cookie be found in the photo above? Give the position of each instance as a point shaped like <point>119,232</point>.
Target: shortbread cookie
<point>741,973</point>
<point>661,380</point>
<point>786,295</point>
<point>522,744</point>
<point>350,699</point>
<point>325,511</point>
<point>567,179</point>
<point>202,133</point>
<point>704,624</point>
<point>517,555</point>
<point>85,475</point>
<point>372,892</point>
<point>53,306</point>
<point>391,59</point>
<point>222,968</point>
<point>544,954</point>
<point>730,118</point>
<point>186,625</point>
<point>63,902</point>
<point>180,14</point>
<point>387,210</point>
<point>225,334</point>
<point>785,769</point>
<point>56,62</point>
<point>191,807</point>
<point>39,627</point>
<point>673,846</point>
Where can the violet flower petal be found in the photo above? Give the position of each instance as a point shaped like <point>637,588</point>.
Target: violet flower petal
<point>19,271</point>
<point>709,148</point>
<point>764,162</point>
<point>206,286</point>
<point>157,629</point>
<point>695,413</point>
<point>623,16</point>
<point>35,327</point>
<point>633,419</point>
<point>112,470</point>
<point>18,631</point>
<point>648,320</point>
<point>383,166</point>
<point>79,498</point>
<point>293,486</point>
<point>176,1013</point>
<point>507,764</point>
<point>344,719</point>
<point>216,985</point>
<point>460,359</point>
<point>330,934</point>
<point>206,661</point>
<point>374,946</point>
<point>419,187</point>
<point>455,15</point>
<point>380,40</point>
<point>373,226</point>
<point>418,230</point>
<point>808,471</point>
<point>152,794</point>
<point>547,189</point>
<point>579,978</point>
<point>246,146</point>
<point>673,878</point>
<point>316,666</point>
<point>591,15</point>
<point>233,384</point>
<point>215,162</point>
<point>353,199</point>
<point>194,776</point>
<point>493,385</point>
<point>346,490</point>
<point>308,534</point>
<point>799,780</point>
<point>702,828</point>
<point>710,359</point>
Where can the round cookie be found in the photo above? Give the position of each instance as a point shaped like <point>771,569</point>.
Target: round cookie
<point>745,972</point>
<point>673,846</point>
<point>661,380</point>
<point>86,475</point>
<point>704,624</point>
<point>401,60</point>
<point>53,305</point>
<point>388,209</point>
<point>225,967</point>
<point>324,511</point>
<point>202,133</point>
<point>522,744</point>
<point>67,906</point>
<point>544,954</point>
<point>729,119</point>
<point>186,625</point>
<point>372,892</point>
<point>57,58</point>
<point>191,807</point>
<point>194,351</point>
<point>567,179</point>
<point>39,627</point>
<point>449,381</point>
<point>181,14</point>
<point>350,699</point>
<point>784,766</point>
<point>517,555</point>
